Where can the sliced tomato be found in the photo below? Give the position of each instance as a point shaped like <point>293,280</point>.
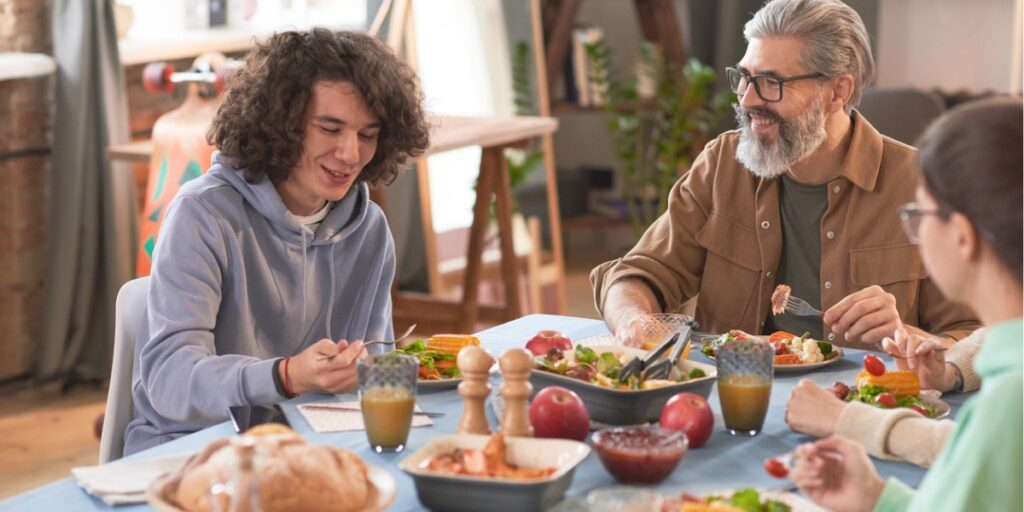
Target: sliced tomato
<point>781,336</point>
<point>444,364</point>
<point>428,373</point>
<point>787,359</point>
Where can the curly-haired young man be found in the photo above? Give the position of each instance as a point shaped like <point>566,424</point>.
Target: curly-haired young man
<point>276,256</point>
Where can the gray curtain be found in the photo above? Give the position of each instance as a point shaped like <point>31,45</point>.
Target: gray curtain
<point>92,213</point>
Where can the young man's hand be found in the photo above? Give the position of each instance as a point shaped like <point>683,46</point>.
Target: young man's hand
<point>311,370</point>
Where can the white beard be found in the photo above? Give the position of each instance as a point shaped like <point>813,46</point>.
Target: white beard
<point>796,139</point>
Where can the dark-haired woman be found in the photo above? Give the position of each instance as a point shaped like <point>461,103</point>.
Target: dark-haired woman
<point>276,257</point>
<point>967,221</point>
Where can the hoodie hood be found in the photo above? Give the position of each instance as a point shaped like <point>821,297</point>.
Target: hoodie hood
<point>345,218</point>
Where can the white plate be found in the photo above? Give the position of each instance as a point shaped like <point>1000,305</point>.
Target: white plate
<point>438,384</point>
<point>794,501</point>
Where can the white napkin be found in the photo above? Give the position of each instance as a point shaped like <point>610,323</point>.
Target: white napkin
<point>120,483</point>
<point>346,416</point>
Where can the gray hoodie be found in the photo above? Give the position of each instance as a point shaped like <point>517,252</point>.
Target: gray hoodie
<point>238,282</point>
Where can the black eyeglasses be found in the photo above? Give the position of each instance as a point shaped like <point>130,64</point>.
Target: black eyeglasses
<point>768,87</point>
<point>910,218</point>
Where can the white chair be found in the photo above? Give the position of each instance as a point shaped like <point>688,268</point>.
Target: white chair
<point>130,309</point>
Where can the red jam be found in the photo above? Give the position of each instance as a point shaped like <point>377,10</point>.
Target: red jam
<point>639,455</point>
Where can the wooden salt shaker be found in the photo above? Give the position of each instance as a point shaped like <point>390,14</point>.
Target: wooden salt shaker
<point>516,365</point>
<point>474,363</point>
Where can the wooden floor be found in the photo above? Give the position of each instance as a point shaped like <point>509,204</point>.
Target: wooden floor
<point>44,433</point>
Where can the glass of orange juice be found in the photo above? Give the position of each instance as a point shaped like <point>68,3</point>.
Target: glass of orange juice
<point>745,370</point>
<point>387,396</point>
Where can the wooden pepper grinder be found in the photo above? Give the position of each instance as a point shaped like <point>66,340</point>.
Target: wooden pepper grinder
<point>474,363</point>
<point>516,365</point>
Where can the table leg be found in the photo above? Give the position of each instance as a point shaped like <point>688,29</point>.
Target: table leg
<point>498,167</point>
<point>475,251</point>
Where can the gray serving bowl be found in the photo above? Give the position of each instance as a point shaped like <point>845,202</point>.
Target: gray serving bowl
<point>615,407</point>
<point>457,493</point>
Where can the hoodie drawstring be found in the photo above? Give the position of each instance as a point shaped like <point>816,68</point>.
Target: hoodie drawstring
<point>303,287</point>
<point>330,297</point>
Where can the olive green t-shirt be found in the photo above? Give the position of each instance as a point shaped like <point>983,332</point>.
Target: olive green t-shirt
<point>801,207</point>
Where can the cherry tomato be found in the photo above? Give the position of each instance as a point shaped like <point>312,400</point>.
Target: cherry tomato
<point>920,409</point>
<point>776,468</point>
<point>874,365</point>
<point>887,400</point>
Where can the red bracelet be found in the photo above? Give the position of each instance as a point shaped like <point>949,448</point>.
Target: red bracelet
<point>287,380</point>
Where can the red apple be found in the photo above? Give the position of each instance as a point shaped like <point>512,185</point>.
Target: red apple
<point>691,414</point>
<point>544,341</point>
<point>558,412</point>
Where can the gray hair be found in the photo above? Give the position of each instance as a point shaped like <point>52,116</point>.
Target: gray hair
<point>834,34</point>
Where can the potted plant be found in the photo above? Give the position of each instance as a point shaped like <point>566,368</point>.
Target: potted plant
<point>657,133</point>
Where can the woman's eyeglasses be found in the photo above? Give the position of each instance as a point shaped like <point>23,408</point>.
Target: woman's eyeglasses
<point>910,218</point>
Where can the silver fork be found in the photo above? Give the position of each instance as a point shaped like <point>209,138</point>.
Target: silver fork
<point>368,343</point>
<point>800,307</point>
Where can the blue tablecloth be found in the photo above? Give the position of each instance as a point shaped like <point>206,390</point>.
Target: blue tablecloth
<point>725,462</point>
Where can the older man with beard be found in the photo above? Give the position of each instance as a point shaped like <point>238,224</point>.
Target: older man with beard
<point>794,196</point>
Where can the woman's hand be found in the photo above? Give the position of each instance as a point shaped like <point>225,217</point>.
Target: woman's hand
<point>308,371</point>
<point>837,474</point>
<point>930,366</point>
<point>812,410</point>
<point>867,315</point>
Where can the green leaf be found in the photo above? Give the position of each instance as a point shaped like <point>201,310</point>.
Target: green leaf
<point>585,354</point>
<point>696,373</point>
<point>608,362</point>
<point>746,499</point>
<point>825,347</point>
<point>413,348</point>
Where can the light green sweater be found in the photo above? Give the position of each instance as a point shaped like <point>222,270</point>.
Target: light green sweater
<point>980,467</point>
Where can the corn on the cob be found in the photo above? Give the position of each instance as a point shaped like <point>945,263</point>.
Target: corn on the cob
<point>899,382</point>
<point>452,343</point>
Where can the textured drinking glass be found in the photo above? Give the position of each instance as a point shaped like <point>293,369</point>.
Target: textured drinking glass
<point>658,326</point>
<point>387,396</point>
<point>745,370</point>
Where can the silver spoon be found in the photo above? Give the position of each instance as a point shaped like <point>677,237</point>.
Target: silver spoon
<point>375,342</point>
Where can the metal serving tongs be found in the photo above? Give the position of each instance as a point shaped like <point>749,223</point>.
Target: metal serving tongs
<point>636,365</point>
<point>661,369</point>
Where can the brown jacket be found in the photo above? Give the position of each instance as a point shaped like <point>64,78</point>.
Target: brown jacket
<point>721,238</point>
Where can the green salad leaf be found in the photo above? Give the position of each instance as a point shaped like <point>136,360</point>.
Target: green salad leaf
<point>608,362</point>
<point>585,354</point>
<point>746,499</point>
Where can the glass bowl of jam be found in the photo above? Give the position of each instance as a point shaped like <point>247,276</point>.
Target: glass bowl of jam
<point>639,454</point>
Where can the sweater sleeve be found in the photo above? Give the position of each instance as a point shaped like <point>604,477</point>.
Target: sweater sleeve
<point>184,377</point>
<point>962,354</point>
<point>894,434</point>
<point>896,496</point>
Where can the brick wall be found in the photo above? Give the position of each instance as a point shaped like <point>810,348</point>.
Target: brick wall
<point>26,118</point>
<point>25,26</point>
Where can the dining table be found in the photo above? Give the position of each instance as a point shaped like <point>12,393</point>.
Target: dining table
<point>724,463</point>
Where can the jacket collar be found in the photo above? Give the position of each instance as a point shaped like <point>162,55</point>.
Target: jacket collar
<point>863,159</point>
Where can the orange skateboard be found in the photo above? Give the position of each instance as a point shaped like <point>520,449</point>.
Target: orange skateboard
<point>180,151</point>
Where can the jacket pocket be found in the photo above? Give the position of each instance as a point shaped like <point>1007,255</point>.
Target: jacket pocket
<point>886,265</point>
<point>732,268</point>
<point>897,269</point>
